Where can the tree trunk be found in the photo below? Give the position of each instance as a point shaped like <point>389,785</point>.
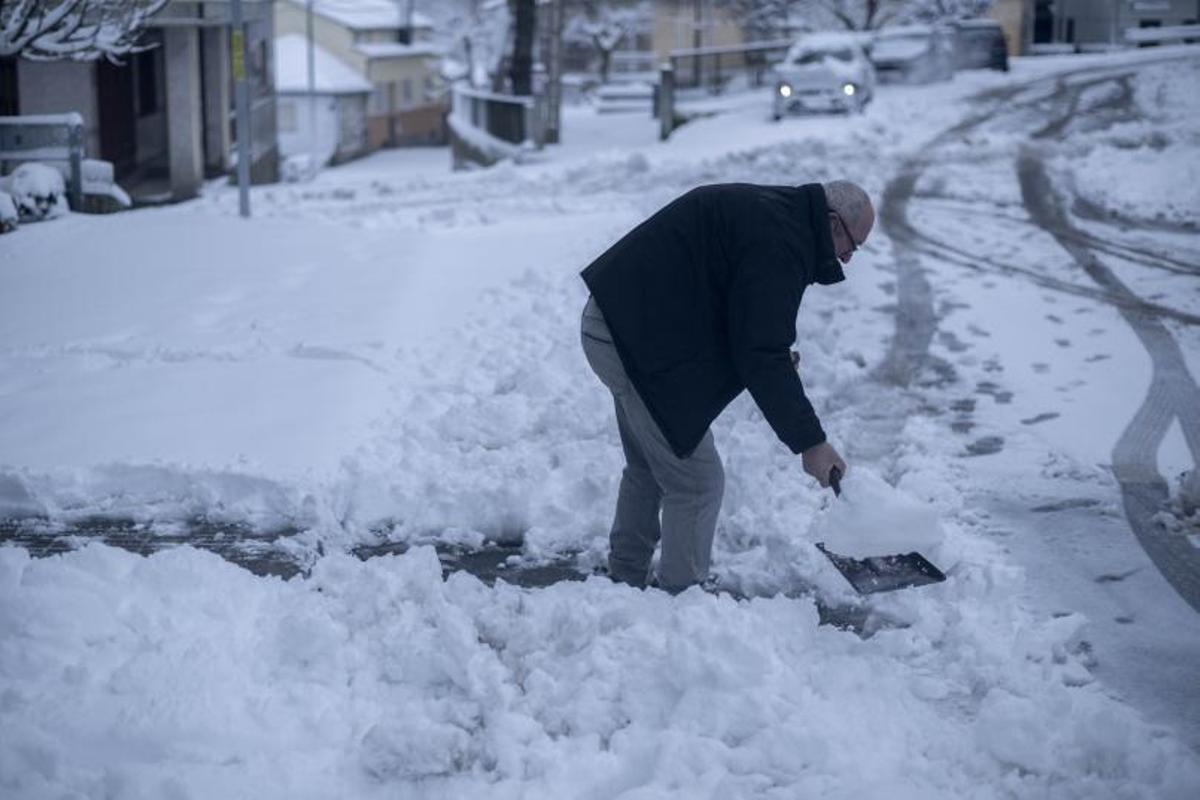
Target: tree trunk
<point>525,15</point>
<point>469,52</point>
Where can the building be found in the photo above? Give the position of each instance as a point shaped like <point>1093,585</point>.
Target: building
<point>330,122</point>
<point>1054,25</point>
<point>164,118</point>
<point>670,25</point>
<point>377,39</point>
<point>1014,18</point>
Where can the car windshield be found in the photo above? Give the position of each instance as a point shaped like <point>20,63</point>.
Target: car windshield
<point>817,56</point>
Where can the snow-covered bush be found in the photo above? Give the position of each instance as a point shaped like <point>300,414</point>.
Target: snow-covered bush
<point>8,213</point>
<point>38,191</point>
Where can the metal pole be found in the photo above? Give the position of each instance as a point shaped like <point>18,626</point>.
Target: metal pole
<point>554,68</point>
<point>242,99</point>
<point>666,101</point>
<point>314,150</point>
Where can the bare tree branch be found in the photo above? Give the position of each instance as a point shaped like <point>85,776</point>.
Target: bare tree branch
<point>82,30</point>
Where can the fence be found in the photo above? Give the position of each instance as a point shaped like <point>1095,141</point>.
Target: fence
<point>486,127</point>
<point>713,67</point>
<point>51,137</point>
<point>1167,35</point>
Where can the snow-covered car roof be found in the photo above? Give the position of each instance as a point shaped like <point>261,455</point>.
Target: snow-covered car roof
<point>825,40</point>
<point>905,31</point>
<point>979,22</point>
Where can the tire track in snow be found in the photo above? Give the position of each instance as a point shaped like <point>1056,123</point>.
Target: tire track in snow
<point>1173,391</point>
<point>1172,394</point>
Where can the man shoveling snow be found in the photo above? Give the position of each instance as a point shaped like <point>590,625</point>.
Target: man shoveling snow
<point>690,308</point>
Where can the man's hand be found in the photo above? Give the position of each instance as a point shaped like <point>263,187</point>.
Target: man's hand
<point>820,459</point>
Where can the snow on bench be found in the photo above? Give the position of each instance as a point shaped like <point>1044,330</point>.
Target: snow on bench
<point>46,137</point>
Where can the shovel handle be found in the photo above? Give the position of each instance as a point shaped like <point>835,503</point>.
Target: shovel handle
<point>835,480</point>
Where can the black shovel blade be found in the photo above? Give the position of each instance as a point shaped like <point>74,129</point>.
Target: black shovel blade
<point>885,573</point>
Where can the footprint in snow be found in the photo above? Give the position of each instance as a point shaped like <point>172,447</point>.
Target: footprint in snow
<point>986,446</point>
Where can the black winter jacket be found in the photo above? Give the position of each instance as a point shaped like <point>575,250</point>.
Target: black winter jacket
<point>701,300</point>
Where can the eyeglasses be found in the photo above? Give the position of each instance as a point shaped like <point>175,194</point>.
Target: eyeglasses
<point>845,230</point>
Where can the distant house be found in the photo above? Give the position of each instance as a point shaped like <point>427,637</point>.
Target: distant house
<point>337,106</point>
<point>1053,25</point>
<point>670,25</point>
<point>164,116</point>
<point>392,52</point>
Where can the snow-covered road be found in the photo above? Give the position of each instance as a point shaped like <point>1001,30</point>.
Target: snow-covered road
<point>388,357</point>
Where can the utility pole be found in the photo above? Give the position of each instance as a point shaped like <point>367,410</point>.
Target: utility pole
<point>405,35</point>
<point>314,150</point>
<point>242,104</point>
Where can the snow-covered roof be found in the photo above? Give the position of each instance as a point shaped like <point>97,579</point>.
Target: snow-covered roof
<point>333,76</point>
<point>367,14</point>
<point>395,49</point>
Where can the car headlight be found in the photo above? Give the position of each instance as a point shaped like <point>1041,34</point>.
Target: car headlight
<point>785,90</point>
<point>849,89</point>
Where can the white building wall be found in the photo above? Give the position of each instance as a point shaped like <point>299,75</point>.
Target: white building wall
<point>295,126</point>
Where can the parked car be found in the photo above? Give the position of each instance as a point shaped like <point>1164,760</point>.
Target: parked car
<point>914,54</point>
<point>824,72</point>
<point>981,45</point>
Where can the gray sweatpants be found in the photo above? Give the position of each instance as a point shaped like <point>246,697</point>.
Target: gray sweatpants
<point>685,491</point>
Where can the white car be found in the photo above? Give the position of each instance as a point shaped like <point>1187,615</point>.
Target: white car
<point>914,54</point>
<point>824,72</point>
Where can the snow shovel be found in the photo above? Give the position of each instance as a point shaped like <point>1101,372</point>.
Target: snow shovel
<point>881,573</point>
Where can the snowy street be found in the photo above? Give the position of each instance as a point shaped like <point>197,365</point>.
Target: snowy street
<point>309,505</point>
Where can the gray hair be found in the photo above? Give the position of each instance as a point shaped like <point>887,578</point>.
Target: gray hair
<point>852,203</point>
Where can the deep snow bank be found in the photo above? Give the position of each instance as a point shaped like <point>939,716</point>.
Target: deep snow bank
<point>179,675</point>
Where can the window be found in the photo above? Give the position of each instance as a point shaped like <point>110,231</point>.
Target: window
<point>377,103</point>
<point>9,104</point>
<point>406,91</point>
<point>287,116</point>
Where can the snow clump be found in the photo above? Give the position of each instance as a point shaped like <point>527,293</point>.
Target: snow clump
<point>38,191</point>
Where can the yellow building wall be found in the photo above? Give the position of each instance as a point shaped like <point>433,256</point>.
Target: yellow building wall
<point>1011,16</point>
<point>675,25</point>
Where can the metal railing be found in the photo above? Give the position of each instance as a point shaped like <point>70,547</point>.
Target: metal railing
<point>49,137</point>
<point>714,66</point>
<point>517,120</point>
<point>1171,33</point>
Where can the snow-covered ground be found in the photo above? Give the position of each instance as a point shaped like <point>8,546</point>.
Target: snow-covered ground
<point>390,353</point>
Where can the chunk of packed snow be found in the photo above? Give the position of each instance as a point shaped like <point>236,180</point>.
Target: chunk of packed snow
<point>182,675</point>
<point>38,191</point>
<point>873,519</point>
